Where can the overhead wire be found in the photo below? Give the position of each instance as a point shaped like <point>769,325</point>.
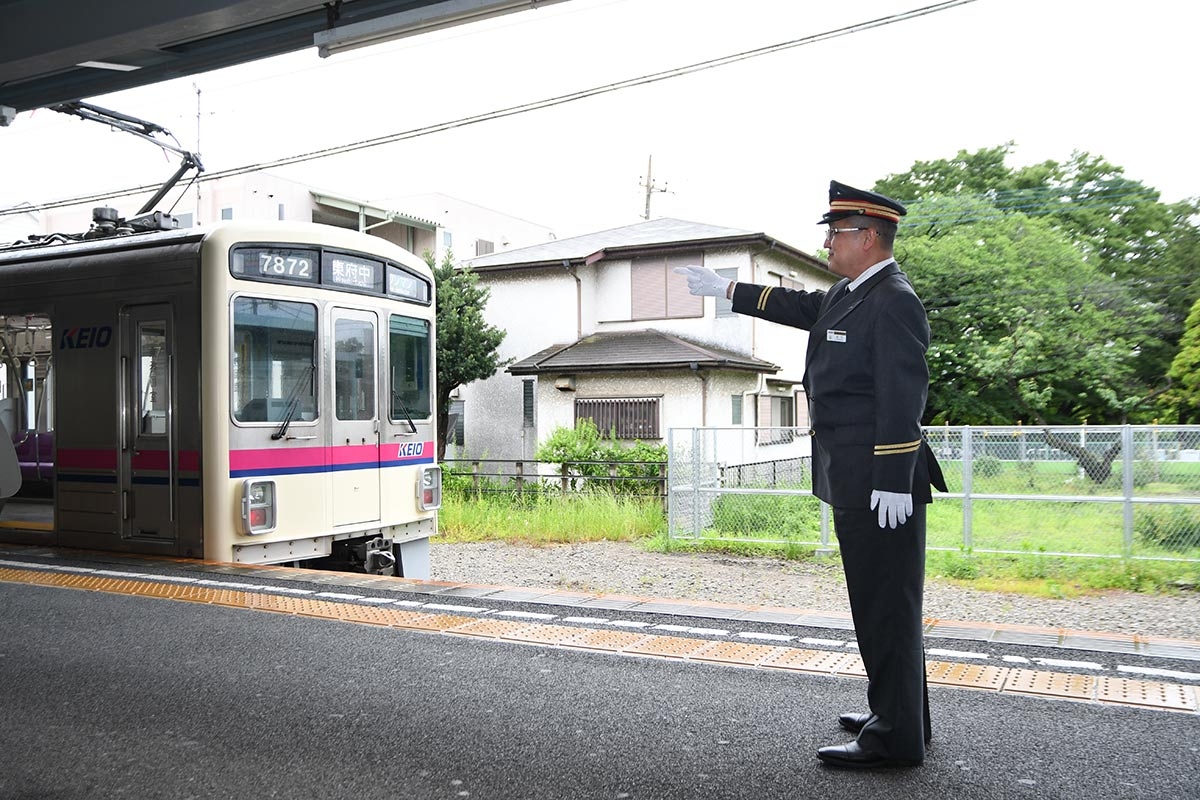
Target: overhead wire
<point>509,111</point>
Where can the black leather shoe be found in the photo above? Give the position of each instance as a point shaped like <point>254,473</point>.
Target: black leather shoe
<point>854,722</point>
<point>852,756</point>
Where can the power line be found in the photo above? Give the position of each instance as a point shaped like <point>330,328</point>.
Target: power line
<point>518,109</point>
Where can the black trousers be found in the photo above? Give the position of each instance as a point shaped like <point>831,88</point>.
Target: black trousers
<point>885,576</point>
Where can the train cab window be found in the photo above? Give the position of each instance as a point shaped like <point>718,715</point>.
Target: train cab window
<point>273,360</point>
<point>354,381</point>
<point>409,356</point>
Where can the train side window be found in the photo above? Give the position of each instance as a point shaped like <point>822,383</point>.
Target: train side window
<point>273,360</point>
<point>354,382</point>
<point>409,356</point>
<point>153,375</point>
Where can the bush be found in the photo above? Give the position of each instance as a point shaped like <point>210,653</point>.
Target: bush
<point>1174,528</point>
<point>774,515</point>
<point>587,455</point>
<point>987,466</point>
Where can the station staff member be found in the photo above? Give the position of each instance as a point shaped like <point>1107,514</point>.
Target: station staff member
<point>866,380</point>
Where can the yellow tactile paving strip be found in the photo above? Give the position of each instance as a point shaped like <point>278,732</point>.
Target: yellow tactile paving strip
<point>1039,683</point>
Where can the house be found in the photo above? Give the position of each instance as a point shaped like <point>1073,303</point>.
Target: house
<point>600,326</point>
<point>468,229</point>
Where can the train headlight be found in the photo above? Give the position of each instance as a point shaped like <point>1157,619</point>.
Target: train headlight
<point>429,488</point>
<point>258,506</point>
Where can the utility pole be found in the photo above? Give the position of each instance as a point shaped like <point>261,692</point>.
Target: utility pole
<point>649,186</point>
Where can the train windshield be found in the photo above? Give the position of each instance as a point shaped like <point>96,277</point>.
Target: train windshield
<point>410,359</point>
<point>274,342</point>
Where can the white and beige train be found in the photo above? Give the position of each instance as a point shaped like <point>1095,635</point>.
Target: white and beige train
<point>244,392</point>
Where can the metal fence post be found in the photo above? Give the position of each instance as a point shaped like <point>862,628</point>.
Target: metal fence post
<point>825,549</point>
<point>668,500</point>
<point>695,483</point>
<point>1127,482</point>
<point>968,460</point>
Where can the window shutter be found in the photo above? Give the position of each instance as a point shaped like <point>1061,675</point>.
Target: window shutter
<point>649,290</point>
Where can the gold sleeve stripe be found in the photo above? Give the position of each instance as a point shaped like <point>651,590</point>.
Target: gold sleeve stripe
<point>762,298</point>
<point>902,448</point>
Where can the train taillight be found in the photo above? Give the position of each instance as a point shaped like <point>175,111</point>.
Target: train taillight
<point>429,488</point>
<point>258,506</point>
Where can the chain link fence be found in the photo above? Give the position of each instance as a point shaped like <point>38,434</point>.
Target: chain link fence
<point>1113,491</point>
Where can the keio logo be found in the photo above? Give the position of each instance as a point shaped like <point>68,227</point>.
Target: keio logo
<point>85,337</point>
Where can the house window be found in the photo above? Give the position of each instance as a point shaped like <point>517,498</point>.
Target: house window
<point>226,213</point>
<point>281,214</point>
<point>725,307</point>
<point>790,283</point>
<point>447,239</point>
<point>801,399</point>
<point>455,419</point>
<point>527,403</point>
<point>483,247</point>
<point>776,418</point>
<point>624,418</point>
<point>184,220</point>
<point>735,402</point>
<point>658,293</point>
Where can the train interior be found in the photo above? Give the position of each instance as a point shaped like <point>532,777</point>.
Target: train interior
<point>27,417</point>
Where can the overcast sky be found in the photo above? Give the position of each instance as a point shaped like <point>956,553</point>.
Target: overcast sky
<point>749,145</point>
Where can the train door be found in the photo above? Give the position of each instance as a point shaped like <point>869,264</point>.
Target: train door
<point>355,455</point>
<point>148,459</point>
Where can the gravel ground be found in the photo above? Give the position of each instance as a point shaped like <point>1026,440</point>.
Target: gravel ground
<point>620,568</point>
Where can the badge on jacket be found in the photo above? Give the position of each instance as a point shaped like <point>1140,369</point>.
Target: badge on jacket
<point>835,336</point>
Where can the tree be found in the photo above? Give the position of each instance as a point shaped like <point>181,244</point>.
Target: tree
<point>1181,403</point>
<point>466,345</point>
<point>1023,327</point>
<point>1137,266</point>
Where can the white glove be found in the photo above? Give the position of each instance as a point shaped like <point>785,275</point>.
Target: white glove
<point>703,281</point>
<point>894,507</point>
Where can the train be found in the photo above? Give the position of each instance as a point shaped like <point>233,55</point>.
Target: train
<point>244,392</point>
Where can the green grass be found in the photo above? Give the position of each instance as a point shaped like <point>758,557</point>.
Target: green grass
<point>548,519</point>
<point>1032,528</point>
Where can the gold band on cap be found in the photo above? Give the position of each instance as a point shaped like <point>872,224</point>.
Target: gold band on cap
<point>863,208</point>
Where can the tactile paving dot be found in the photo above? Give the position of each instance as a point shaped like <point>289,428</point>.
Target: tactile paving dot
<point>818,661</point>
<point>1052,684</point>
<point>606,640</point>
<point>853,666</point>
<point>736,653</point>
<point>547,634</point>
<point>669,647</point>
<point>491,628</point>
<point>1150,694</point>
<point>433,622</point>
<point>972,676</point>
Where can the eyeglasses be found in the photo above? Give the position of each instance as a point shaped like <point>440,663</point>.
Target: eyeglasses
<point>832,232</point>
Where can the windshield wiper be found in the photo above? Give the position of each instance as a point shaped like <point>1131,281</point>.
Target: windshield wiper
<point>407,416</point>
<point>294,402</point>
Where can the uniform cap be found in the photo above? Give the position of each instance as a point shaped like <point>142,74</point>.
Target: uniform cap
<point>846,201</point>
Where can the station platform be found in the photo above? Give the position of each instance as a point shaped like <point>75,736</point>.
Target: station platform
<point>620,624</point>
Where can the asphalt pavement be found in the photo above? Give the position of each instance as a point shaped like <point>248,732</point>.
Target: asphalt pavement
<point>121,694</point>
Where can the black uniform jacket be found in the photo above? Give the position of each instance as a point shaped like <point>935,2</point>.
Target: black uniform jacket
<point>866,380</point>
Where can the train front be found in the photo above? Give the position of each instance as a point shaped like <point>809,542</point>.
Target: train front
<point>318,396</point>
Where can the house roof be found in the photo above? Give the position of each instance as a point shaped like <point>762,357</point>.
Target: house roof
<point>654,236</point>
<point>624,351</point>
